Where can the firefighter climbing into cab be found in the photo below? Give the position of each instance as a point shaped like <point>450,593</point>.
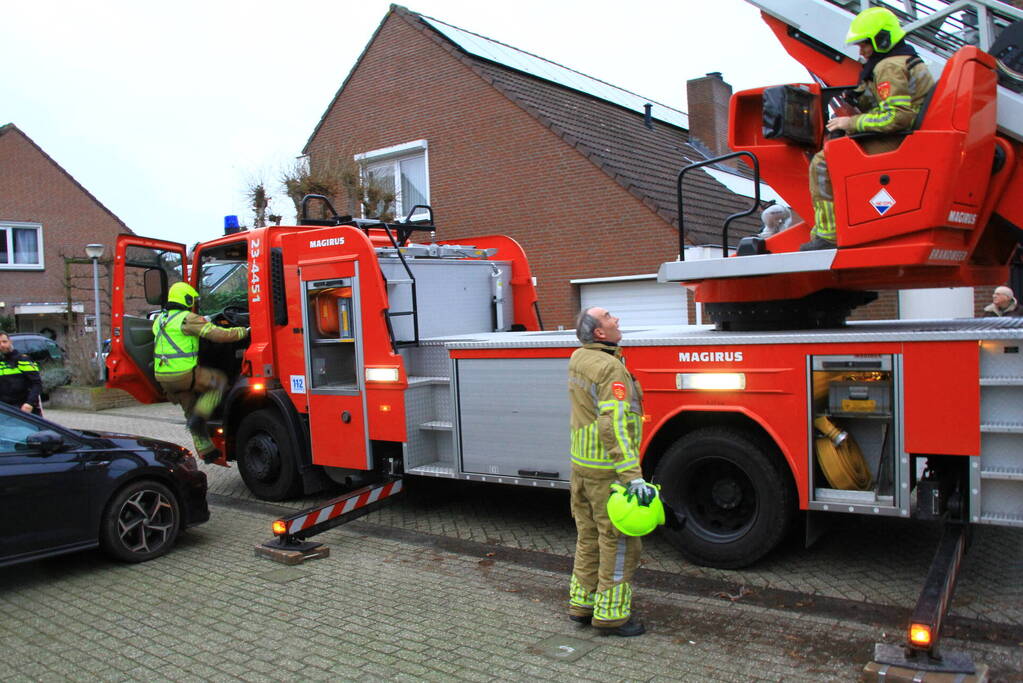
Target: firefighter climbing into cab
<point>893,85</point>
<point>195,388</point>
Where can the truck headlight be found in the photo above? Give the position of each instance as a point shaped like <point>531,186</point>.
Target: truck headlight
<point>711,381</point>
<point>382,374</point>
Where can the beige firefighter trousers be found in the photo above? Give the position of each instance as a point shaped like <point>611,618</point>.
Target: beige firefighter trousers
<point>605,559</point>
<point>198,393</point>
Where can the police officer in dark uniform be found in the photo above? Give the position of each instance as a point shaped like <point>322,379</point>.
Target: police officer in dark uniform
<point>20,385</point>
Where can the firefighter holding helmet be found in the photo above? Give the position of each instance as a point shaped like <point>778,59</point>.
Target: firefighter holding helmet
<point>894,83</point>
<point>196,389</point>
<point>606,429</point>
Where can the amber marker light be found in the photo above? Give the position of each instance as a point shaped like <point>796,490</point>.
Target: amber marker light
<point>220,430</point>
<point>258,386</point>
<point>920,635</point>
<point>279,527</point>
<point>385,408</point>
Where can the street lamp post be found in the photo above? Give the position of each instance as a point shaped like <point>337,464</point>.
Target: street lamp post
<point>95,252</point>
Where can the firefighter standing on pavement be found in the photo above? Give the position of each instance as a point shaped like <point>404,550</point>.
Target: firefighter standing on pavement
<point>20,385</point>
<point>607,425</point>
<point>893,85</point>
<point>176,363</point>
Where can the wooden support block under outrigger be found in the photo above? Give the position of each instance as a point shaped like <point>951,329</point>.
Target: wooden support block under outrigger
<point>290,545</point>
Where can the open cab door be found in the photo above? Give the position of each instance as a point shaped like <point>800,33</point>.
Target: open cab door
<point>144,269</point>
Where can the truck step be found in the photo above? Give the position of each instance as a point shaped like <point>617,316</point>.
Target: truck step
<point>1001,428</point>
<point>425,379</point>
<point>1002,519</point>
<point>1003,473</point>
<point>1001,381</point>
<point>437,425</point>
<point>433,469</point>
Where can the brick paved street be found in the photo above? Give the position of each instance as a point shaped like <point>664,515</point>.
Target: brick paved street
<point>467,583</point>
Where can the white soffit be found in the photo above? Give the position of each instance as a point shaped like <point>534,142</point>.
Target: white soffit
<point>513,58</point>
<point>743,186</point>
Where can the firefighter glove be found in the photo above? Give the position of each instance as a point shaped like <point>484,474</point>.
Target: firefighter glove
<point>643,491</point>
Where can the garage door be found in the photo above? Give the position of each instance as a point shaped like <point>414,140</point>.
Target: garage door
<point>637,302</point>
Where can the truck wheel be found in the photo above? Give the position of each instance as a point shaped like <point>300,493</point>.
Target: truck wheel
<point>266,460</point>
<point>737,500</point>
<point>140,522</point>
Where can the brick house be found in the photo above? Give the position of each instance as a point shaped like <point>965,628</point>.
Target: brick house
<point>46,219</point>
<point>578,171</point>
<point>569,166</point>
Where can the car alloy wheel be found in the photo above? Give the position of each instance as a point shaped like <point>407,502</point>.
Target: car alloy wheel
<point>142,522</point>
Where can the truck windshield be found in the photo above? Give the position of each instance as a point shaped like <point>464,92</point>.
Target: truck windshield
<point>223,278</point>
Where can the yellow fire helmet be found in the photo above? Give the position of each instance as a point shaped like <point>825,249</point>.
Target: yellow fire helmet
<point>182,293</point>
<point>878,25</point>
<point>631,518</point>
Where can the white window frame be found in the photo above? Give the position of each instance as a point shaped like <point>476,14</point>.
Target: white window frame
<point>395,154</point>
<point>8,234</point>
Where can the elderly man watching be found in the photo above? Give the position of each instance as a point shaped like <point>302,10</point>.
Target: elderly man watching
<point>1003,305</point>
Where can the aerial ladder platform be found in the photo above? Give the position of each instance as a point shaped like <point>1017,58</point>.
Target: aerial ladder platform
<point>945,209</point>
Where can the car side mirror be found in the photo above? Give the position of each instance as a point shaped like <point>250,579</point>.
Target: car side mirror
<point>47,441</point>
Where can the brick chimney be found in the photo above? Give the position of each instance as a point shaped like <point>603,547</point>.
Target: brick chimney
<point>708,112</point>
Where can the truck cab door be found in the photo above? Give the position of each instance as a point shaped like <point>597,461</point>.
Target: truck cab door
<point>144,269</point>
<point>334,365</point>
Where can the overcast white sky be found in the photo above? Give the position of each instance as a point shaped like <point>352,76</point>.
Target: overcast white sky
<point>164,110</point>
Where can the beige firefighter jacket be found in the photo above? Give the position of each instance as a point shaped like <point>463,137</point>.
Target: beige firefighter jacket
<point>607,412</point>
<point>892,98</point>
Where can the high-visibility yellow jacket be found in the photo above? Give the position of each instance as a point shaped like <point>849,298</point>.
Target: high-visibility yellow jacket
<point>177,333</point>
<point>607,412</point>
<point>19,380</point>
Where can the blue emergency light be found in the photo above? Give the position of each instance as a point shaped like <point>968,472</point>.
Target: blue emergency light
<point>231,225</point>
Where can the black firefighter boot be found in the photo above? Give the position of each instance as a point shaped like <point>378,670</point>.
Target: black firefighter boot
<point>626,630</point>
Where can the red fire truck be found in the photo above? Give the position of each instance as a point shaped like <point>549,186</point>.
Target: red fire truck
<point>374,356</point>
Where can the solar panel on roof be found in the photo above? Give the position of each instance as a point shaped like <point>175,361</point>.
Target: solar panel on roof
<point>513,58</point>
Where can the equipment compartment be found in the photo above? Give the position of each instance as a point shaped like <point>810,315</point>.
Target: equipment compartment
<point>853,433</point>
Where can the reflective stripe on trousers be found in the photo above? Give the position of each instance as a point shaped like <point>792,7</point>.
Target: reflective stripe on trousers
<point>604,558</point>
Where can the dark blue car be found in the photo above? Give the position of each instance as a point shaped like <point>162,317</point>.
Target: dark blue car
<point>63,490</point>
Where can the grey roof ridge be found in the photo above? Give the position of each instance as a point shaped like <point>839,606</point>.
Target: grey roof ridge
<point>413,19</point>
<point>10,126</point>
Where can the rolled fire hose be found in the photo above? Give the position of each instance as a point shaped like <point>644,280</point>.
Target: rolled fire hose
<point>843,464</point>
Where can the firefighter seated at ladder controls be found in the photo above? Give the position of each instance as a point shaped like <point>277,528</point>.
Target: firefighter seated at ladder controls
<point>893,85</point>
<point>196,389</point>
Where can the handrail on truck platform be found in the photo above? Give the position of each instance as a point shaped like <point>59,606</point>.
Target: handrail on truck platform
<point>734,216</point>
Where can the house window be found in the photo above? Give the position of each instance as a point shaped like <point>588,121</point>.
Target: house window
<point>21,246</point>
<point>402,170</point>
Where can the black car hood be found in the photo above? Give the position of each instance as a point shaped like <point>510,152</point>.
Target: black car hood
<point>164,450</point>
